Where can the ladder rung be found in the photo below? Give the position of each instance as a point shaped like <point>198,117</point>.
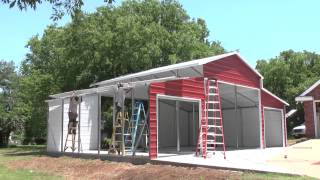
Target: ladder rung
<point>213,126</point>
<point>212,110</point>
<point>209,148</point>
<point>213,87</point>
<point>217,143</point>
<point>71,140</point>
<point>212,94</point>
<point>212,102</point>
<point>212,143</point>
<point>214,117</point>
<point>213,134</point>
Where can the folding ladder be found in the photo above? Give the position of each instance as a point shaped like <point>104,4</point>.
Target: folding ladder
<point>137,127</point>
<point>211,132</point>
<point>72,133</point>
<point>118,133</point>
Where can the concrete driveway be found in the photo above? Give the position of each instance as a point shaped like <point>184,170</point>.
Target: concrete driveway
<point>301,158</point>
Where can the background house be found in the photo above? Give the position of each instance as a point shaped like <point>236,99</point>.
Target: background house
<point>311,103</point>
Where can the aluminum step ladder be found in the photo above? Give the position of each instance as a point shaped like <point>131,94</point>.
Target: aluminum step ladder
<point>137,127</point>
<point>71,137</point>
<point>119,134</point>
<point>211,133</point>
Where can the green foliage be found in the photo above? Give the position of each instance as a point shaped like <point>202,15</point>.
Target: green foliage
<point>113,41</point>
<point>59,7</point>
<point>289,74</point>
<point>11,112</point>
<point>34,89</point>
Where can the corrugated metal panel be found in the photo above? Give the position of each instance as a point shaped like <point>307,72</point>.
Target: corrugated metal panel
<point>89,122</point>
<point>285,126</point>
<point>262,128</point>
<point>54,126</point>
<point>232,69</point>
<point>268,101</point>
<point>192,88</point>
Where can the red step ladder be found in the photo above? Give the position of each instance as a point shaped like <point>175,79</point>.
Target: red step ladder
<point>211,132</point>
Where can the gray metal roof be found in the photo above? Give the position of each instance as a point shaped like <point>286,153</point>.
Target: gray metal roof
<point>185,69</point>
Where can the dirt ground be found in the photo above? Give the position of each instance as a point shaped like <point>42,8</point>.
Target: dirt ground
<point>97,169</point>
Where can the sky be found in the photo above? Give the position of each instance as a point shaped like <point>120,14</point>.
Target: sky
<point>258,29</point>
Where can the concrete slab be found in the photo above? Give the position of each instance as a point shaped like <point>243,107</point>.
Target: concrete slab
<point>299,159</point>
<point>249,159</point>
<point>303,158</point>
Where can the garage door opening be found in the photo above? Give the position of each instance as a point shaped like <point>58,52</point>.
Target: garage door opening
<point>241,120</point>
<point>273,127</point>
<point>178,123</point>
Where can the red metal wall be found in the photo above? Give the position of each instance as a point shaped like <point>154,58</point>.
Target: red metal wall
<point>269,101</point>
<point>232,69</point>
<point>192,88</point>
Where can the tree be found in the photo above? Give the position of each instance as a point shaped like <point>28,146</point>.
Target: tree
<point>34,89</point>
<point>135,36</point>
<point>288,75</point>
<point>11,115</point>
<point>59,7</point>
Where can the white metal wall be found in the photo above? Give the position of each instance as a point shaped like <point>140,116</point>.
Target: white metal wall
<point>54,126</point>
<point>251,124</point>
<point>273,128</point>
<point>167,130</point>
<point>242,129</point>
<point>168,127</point>
<point>230,126</point>
<point>185,128</point>
<point>88,123</point>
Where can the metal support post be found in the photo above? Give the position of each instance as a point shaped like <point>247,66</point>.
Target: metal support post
<point>178,125</point>
<point>99,123</point>
<point>62,119</point>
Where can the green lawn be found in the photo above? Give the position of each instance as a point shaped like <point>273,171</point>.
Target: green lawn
<point>17,153</point>
<point>24,152</point>
<point>271,176</point>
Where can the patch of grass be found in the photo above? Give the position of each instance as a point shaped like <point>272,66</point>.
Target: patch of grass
<point>17,153</point>
<point>24,174</point>
<point>272,176</point>
<point>20,152</point>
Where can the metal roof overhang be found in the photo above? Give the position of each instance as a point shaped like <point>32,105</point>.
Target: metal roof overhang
<point>110,88</point>
<point>182,70</point>
<point>192,68</point>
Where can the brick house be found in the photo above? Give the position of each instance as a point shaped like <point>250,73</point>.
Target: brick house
<point>311,103</point>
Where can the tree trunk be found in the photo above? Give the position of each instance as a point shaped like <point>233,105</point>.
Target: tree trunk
<point>4,138</point>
